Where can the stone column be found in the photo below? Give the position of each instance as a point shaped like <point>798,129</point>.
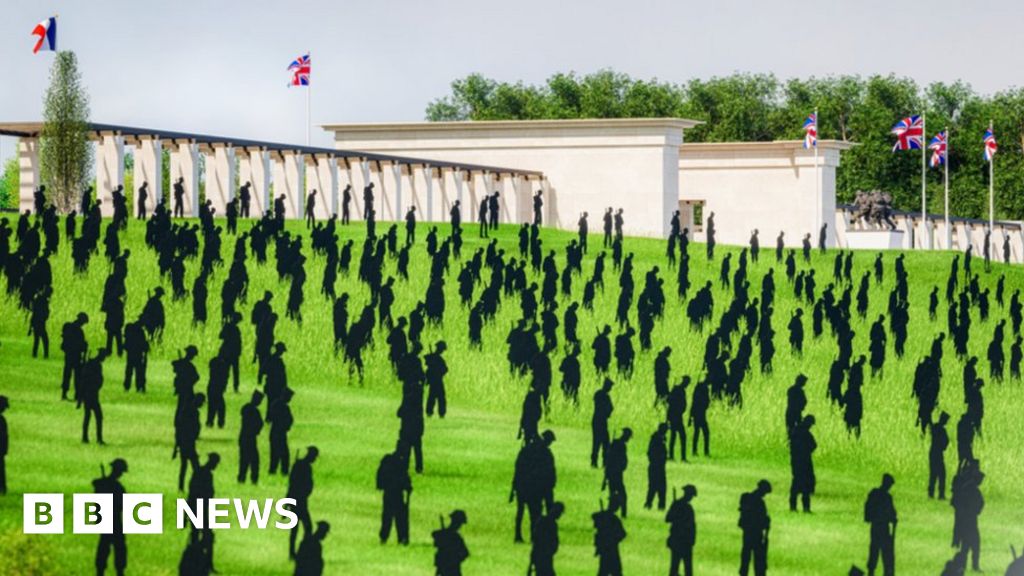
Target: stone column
<point>109,170</point>
<point>259,175</point>
<point>149,168</point>
<point>28,174</point>
<point>185,165</point>
<point>524,203</point>
<point>457,177</point>
<point>220,176</point>
<point>322,176</point>
<point>290,181</point>
<point>397,170</point>
<point>384,206</point>
<point>346,172</point>
<point>428,176</point>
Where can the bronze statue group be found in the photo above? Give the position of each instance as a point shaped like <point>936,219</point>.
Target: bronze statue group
<point>526,278</point>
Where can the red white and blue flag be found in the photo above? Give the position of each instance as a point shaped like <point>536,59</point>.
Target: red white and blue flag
<point>909,133</point>
<point>811,131</point>
<point>990,145</point>
<point>300,71</point>
<point>938,148</point>
<point>47,33</point>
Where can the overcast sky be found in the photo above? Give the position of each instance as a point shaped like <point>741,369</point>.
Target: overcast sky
<point>219,67</point>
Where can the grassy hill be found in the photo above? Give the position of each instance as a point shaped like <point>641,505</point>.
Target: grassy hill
<point>469,455</point>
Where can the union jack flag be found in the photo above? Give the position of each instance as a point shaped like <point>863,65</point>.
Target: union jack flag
<point>300,71</point>
<point>990,145</point>
<point>909,133</point>
<point>938,148</point>
<point>811,131</point>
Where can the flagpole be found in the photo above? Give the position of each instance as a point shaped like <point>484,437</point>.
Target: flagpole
<point>945,159</point>
<point>926,239</point>
<point>817,171</point>
<point>991,188</point>
<point>309,88</point>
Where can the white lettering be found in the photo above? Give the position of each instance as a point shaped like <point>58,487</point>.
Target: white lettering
<point>245,515</point>
<point>282,508</point>
<point>194,516</point>
<point>219,508</point>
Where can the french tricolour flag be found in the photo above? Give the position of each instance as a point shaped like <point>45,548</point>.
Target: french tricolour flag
<point>47,33</point>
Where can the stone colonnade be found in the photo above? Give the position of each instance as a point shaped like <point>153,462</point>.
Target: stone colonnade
<point>275,171</point>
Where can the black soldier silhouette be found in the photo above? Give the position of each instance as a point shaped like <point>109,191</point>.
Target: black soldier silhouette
<point>179,198</point>
<point>616,460</point>
<point>141,199</point>
<point>410,226</point>
<point>248,436</point>
<point>603,408</point>
<point>396,486</point>
<point>709,233</point>
<point>187,425</point>
<point>937,457</point>
<point>436,369</point>
<point>675,411</point>
<point>115,541</point>
<point>245,199</point>
<point>545,541</point>
<point>538,208</point>
<point>534,480</point>
<point>608,534</point>
<point>700,403</point>
<point>309,560</point>
<point>300,488</point>
<point>755,523</point>
<point>215,388</point>
<point>492,209</point>
<point>482,217</point>
<point>450,549</point>
<point>280,419</point>
<point>200,487</point>
<point>968,503</point>
<point>657,458</point>
<point>75,349</point>
<point>136,356</point>
<point>682,533</point>
<point>880,513</point>
<point>801,448</point>
<point>311,209</point>
<point>796,401</point>
<point>89,394</point>
<point>37,322</point>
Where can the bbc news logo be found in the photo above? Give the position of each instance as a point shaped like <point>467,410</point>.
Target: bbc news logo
<point>144,513</point>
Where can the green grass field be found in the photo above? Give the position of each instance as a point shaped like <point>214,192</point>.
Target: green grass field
<point>469,455</point>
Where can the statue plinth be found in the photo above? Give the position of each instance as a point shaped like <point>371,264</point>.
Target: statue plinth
<point>874,239</point>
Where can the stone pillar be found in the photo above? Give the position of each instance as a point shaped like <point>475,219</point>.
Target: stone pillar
<point>289,180</point>
<point>220,177</point>
<point>185,165</point>
<point>149,168</point>
<point>458,179</point>
<point>384,206</point>
<point>109,170</point>
<point>28,173</point>
<point>322,176</point>
<point>444,201</point>
<point>524,204</point>
<point>257,172</point>
<point>365,174</point>
<point>347,172</point>
<point>428,176</point>
<point>397,170</point>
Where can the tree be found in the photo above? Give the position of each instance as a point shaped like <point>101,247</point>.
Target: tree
<point>65,152</point>
<point>758,107</point>
<point>9,182</point>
